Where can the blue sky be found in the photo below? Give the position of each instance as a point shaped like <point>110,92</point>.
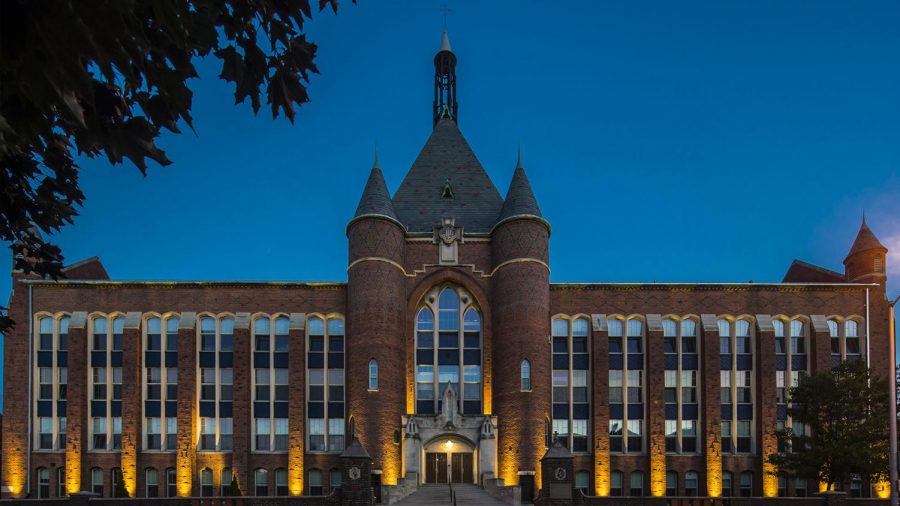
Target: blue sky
<point>666,141</point>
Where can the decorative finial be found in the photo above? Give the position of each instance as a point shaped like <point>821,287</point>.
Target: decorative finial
<point>445,11</point>
<point>519,161</point>
<point>864,216</point>
<point>376,165</point>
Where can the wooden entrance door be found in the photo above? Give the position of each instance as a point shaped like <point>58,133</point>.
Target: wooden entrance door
<point>435,468</point>
<point>461,468</point>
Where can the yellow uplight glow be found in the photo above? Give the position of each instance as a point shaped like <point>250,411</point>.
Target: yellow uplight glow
<point>14,469</point>
<point>601,473</point>
<point>883,489</point>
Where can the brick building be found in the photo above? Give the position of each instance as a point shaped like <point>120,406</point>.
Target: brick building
<point>448,353</point>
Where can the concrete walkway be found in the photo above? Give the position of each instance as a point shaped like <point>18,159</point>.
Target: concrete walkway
<point>428,495</point>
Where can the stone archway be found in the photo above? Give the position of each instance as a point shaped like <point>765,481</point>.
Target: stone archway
<point>449,458</point>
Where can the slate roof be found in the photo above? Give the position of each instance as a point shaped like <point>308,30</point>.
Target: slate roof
<point>805,272</point>
<point>375,197</point>
<point>419,203</point>
<point>865,240</point>
<point>520,199</point>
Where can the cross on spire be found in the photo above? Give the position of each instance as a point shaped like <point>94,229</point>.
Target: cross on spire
<point>445,11</point>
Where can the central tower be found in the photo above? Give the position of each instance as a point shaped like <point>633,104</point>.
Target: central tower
<point>445,105</point>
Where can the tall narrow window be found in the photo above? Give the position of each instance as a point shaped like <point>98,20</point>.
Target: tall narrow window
<point>51,376</point>
<point>215,359</point>
<point>61,481</point>
<point>171,482</point>
<point>636,484</point>
<point>261,482</point>
<point>746,484</point>
<point>626,399</point>
<point>334,479</point>
<point>671,483</point>
<point>225,482</point>
<point>325,384</point>
<point>691,484</point>
<point>152,481</point>
<point>315,482</point>
<point>281,488</point>
<point>43,476</point>
<point>851,340</point>
<point>97,481</point>
<point>736,352</point>
<point>160,383</point>
<point>681,379</point>
<point>373,374</point>
<point>571,363</point>
<point>270,383</point>
<point>727,484</point>
<point>582,481</point>
<point>105,382</point>
<point>526,376</point>
<point>206,482</point>
<point>615,483</point>
<point>448,353</point>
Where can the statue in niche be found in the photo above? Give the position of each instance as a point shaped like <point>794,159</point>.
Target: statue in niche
<point>450,417</point>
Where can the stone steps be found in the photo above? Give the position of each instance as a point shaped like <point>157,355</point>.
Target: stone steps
<point>468,495</point>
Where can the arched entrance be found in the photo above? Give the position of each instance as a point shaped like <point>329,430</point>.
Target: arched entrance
<point>449,459</point>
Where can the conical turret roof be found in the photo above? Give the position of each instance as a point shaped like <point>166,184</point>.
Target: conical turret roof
<point>865,240</point>
<point>520,200</point>
<point>376,200</point>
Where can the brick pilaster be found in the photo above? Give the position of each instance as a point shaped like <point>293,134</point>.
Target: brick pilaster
<point>76,402</point>
<point>243,401</point>
<point>600,401</point>
<point>296,403</point>
<point>131,400</point>
<point>656,408</point>
<point>187,405</point>
<point>712,404</point>
<point>766,400</point>
<point>820,344</point>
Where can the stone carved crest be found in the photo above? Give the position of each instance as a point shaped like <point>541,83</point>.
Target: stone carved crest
<point>354,473</point>
<point>559,474</point>
<point>447,236</point>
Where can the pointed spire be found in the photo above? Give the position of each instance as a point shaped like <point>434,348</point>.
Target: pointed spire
<point>376,200</point>
<point>520,199</point>
<point>865,240</point>
<point>445,42</point>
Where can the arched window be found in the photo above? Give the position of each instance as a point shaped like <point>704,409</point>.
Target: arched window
<point>43,479</point>
<point>61,481</point>
<point>681,360</point>
<point>118,487</point>
<point>325,385</point>
<point>171,482</point>
<point>727,484</point>
<point>206,482</point>
<point>736,381</point>
<point>105,381</point>
<point>261,482</point>
<point>746,484</point>
<point>570,367</point>
<point>583,481</point>
<point>215,358</point>
<point>636,484</point>
<point>800,487</point>
<point>691,484</point>
<point>615,483</point>
<point>526,376</point>
<point>449,352</point>
<point>671,483</point>
<point>315,482</point>
<point>225,482</point>
<point>626,392</point>
<point>334,479</point>
<point>152,482</point>
<point>782,485</point>
<point>851,340</point>
<point>97,481</point>
<point>281,486</point>
<point>373,374</point>
<point>270,383</point>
